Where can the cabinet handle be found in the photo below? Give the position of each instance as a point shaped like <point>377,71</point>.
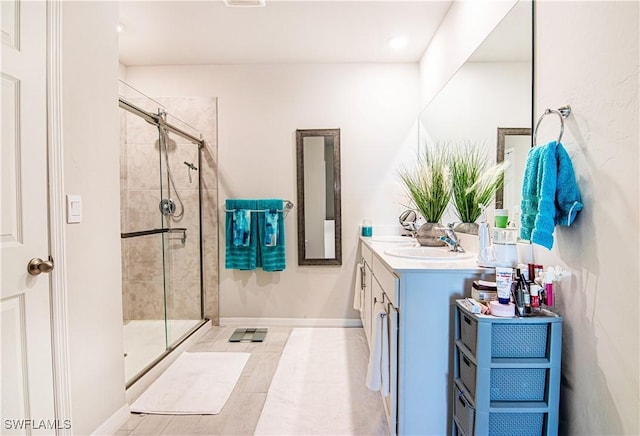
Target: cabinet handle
<point>363,277</point>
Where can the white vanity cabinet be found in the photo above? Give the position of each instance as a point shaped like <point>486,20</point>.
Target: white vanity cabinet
<point>420,298</point>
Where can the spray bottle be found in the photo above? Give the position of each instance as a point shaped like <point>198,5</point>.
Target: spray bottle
<point>486,256</point>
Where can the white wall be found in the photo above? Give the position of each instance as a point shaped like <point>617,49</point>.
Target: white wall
<point>587,56</point>
<point>260,107</point>
<point>91,141</point>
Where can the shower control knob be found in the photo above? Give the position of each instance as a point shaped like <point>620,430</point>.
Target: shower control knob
<point>37,266</point>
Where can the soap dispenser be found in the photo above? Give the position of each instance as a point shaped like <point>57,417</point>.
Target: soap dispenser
<point>486,256</point>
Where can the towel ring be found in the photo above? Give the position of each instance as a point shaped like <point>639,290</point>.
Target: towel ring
<point>562,112</point>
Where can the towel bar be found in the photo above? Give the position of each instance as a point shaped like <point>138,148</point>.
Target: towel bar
<point>563,112</point>
<point>288,205</point>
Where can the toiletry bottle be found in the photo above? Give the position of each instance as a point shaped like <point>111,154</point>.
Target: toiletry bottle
<point>532,270</point>
<point>503,283</point>
<point>548,286</point>
<point>485,253</point>
<point>518,297</point>
<point>527,302</point>
<point>514,217</point>
<point>535,296</point>
<point>367,229</point>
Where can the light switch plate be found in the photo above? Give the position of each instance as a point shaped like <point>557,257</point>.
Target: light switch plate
<point>74,209</point>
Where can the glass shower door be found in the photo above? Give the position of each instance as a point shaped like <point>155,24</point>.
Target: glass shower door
<point>160,233</point>
<point>143,281</point>
<point>182,264</point>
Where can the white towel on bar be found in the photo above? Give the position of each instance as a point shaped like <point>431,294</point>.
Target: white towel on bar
<point>378,368</point>
<point>358,292</point>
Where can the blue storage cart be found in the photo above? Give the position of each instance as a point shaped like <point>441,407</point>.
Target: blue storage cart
<point>506,374</point>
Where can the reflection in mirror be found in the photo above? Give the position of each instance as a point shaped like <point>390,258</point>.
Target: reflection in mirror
<point>493,88</point>
<point>513,146</point>
<point>319,213</point>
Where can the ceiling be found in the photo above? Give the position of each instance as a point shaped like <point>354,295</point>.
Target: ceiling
<point>302,31</point>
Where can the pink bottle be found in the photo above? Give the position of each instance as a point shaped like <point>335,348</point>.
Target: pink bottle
<point>548,286</point>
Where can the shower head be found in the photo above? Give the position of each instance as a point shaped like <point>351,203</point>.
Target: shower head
<point>191,166</point>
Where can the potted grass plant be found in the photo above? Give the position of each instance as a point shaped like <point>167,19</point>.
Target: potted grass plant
<point>474,182</point>
<point>428,185</point>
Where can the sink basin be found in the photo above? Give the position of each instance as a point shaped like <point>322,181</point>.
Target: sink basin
<point>396,240</point>
<point>429,253</point>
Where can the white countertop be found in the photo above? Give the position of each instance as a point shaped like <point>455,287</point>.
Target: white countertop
<point>407,265</point>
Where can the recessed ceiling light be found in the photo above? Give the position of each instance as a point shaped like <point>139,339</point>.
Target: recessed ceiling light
<point>245,3</point>
<point>398,42</point>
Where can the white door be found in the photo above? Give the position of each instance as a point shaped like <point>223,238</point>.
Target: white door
<point>26,361</point>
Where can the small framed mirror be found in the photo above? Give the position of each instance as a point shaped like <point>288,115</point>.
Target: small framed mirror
<point>513,146</point>
<point>318,197</point>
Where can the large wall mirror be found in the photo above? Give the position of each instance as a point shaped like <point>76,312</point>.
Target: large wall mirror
<point>319,210</point>
<point>492,90</point>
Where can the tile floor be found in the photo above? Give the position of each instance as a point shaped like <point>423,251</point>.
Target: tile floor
<point>242,410</point>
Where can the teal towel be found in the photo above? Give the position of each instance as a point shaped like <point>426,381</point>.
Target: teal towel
<point>550,194</point>
<point>271,258</point>
<point>271,228</point>
<point>240,256</point>
<point>241,227</point>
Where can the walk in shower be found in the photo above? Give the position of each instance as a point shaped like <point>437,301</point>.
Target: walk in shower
<point>164,226</point>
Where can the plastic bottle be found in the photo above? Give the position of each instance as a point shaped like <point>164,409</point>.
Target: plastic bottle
<point>514,217</point>
<point>548,286</point>
<point>535,296</point>
<point>485,252</point>
<point>367,228</point>
<point>504,278</point>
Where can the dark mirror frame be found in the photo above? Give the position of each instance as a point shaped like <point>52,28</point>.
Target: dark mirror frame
<point>300,135</point>
<point>502,133</point>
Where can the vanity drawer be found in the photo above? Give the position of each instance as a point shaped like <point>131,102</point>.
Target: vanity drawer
<point>468,331</point>
<point>508,339</point>
<point>467,373</point>
<point>387,280</point>
<point>463,412</point>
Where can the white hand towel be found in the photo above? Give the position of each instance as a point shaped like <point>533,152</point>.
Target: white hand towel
<point>378,368</point>
<point>358,291</point>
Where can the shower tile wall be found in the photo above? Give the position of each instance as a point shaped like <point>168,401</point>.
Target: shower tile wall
<point>143,296</point>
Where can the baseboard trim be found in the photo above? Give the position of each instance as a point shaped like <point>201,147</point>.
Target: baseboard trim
<point>113,424</point>
<point>291,322</point>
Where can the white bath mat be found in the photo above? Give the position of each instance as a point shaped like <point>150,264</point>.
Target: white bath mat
<point>319,387</point>
<point>195,384</point>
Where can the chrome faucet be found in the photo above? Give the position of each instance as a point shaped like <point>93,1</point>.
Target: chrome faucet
<point>451,239</point>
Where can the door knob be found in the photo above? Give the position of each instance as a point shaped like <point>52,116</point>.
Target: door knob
<point>37,266</point>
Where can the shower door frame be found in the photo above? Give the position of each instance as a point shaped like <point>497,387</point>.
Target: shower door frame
<point>160,122</point>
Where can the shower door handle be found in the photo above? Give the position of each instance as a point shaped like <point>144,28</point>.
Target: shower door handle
<point>37,266</point>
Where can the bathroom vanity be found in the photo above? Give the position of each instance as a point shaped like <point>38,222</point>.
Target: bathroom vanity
<point>419,296</point>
